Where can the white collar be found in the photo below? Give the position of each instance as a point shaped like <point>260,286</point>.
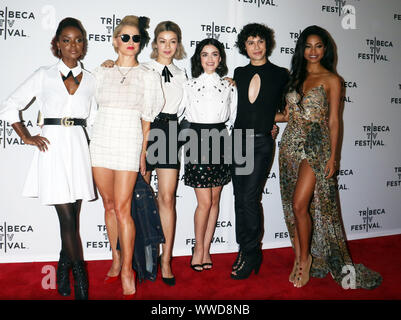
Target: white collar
<point>213,77</point>
<point>65,70</point>
<point>159,66</point>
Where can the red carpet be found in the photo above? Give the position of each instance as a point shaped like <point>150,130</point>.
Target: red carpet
<point>23,281</point>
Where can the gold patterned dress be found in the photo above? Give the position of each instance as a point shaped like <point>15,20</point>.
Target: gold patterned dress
<point>307,136</point>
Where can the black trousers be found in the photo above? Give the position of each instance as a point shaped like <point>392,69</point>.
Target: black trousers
<point>248,193</point>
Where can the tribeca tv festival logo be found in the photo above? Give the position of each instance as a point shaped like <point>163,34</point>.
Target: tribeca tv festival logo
<point>345,11</point>
<point>103,243</point>
<point>348,87</point>
<point>376,51</point>
<point>374,134</point>
<point>9,237</point>
<point>396,100</point>
<point>293,36</point>
<point>215,31</point>
<point>260,3</point>
<point>220,224</point>
<point>397,178</point>
<point>9,22</point>
<point>370,219</point>
<point>266,190</point>
<point>8,137</point>
<point>342,175</point>
<point>108,24</point>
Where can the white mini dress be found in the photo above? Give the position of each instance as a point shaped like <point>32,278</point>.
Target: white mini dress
<point>62,174</point>
<point>125,95</point>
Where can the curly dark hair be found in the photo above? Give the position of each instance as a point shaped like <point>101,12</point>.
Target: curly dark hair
<point>65,23</point>
<point>254,30</point>
<point>196,66</point>
<point>298,71</point>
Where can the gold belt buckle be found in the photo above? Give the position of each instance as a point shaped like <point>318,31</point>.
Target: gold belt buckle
<point>66,122</point>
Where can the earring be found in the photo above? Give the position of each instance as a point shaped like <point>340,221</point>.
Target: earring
<point>58,52</point>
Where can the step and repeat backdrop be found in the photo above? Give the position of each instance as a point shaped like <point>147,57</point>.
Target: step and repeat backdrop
<point>367,36</point>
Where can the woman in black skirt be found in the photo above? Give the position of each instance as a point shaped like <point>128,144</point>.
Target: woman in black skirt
<point>208,103</point>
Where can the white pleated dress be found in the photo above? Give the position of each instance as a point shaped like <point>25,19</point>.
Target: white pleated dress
<point>62,174</point>
<point>117,138</point>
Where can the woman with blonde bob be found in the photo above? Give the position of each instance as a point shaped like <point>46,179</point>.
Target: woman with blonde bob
<point>129,97</point>
<point>166,46</point>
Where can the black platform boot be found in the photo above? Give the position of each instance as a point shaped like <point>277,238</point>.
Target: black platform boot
<point>63,275</point>
<point>238,260</point>
<point>80,280</point>
<point>250,261</point>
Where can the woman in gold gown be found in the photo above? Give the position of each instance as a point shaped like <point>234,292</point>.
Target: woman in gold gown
<point>308,160</point>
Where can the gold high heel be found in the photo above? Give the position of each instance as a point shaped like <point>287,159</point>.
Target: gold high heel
<point>302,274</point>
<point>293,272</point>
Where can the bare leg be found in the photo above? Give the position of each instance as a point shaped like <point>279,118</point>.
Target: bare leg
<point>167,186</point>
<point>124,183</point>
<point>303,193</point>
<point>104,181</point>
<point>204,197</point>
<point>211,225</point>
<point>116,188</point>
<point>297,251</point>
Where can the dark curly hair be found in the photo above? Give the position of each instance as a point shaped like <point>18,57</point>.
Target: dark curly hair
<point>196,66</point>
<point>65,23</point>
<point>254,30</point>
<point>298,71</point>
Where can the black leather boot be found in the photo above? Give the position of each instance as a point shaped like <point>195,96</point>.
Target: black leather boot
<point>63,275</point>
<point>238,260</point>
<point>80,280</point>
<point>251,261</point>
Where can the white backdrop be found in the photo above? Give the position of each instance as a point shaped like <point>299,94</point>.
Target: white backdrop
<point>367,35</point>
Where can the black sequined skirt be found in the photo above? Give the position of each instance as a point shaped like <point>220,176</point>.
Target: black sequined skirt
<point>207,168</point>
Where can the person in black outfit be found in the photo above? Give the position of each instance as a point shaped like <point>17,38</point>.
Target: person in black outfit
<point>260,86</point>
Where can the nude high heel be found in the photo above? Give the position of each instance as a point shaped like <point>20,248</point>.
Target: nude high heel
<point>294,271</point>
<point>302,275</point>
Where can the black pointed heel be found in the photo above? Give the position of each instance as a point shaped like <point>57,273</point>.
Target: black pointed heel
<point>168,281</point>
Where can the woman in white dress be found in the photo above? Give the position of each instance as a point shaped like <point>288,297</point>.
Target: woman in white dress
<point>60,173</point>
<point>210,102</point>
<point>129,96</point>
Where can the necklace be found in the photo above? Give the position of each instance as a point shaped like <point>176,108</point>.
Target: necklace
<point>124,75</point>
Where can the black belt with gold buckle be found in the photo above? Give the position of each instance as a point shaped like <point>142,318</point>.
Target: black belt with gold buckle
<point>66,122</point>
<point>166,117</point>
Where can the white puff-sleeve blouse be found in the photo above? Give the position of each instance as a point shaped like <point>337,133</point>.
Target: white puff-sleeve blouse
<point>136,88</point>
<point>209,99</point>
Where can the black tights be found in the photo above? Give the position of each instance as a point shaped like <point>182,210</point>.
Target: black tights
<point>68,215</point>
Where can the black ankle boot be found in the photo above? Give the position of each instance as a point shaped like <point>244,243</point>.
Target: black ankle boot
<point>63,275</point>
<point>238,260</point>
<point>80,280</point>
<point>251,261</point>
